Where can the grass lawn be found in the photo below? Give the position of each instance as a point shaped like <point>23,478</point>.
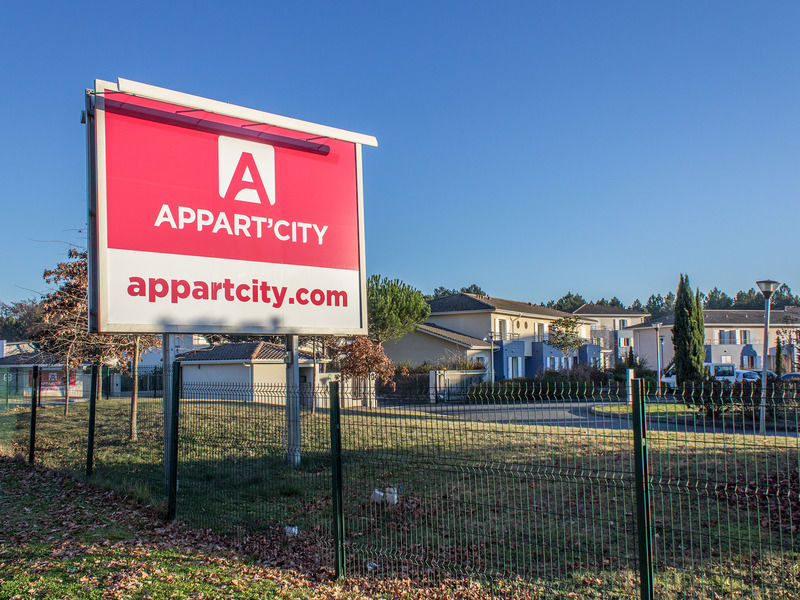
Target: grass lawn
<point>552,504</point>
<point>655,409</point>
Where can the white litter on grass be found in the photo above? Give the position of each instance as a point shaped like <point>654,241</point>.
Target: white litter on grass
<point>371,566</point>
<point>390,496</point>
<point>376,496</point>
<point>290,531</point>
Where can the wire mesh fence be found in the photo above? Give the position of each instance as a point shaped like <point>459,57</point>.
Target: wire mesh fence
<point>128,440</point>
<point>530,486</point>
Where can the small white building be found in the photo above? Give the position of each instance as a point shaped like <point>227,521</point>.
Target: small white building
<point>250,371</point>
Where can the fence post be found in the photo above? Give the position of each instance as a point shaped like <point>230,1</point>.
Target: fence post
<point>642,476</point>
<point>92,413</point>
<point>172,440</point>
<point>336,483</point>
<point>34,402</point>
<point>630,374</point>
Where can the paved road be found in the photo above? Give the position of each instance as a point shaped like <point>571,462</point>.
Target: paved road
<point>573,414</point>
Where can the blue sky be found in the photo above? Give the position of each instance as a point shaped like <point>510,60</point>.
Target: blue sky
<point>532,148</point>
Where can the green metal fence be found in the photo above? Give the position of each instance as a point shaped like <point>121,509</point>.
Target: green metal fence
<point>545,490</point>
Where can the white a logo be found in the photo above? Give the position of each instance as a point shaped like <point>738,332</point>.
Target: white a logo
<point>246,171</point>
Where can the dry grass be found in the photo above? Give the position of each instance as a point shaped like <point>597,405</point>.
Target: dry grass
<point>554,505</point>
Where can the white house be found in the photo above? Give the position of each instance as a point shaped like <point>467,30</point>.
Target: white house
<point>731,336</point>
<point>250,371</point>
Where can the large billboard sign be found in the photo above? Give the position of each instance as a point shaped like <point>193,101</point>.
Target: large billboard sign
<point>208,217</point>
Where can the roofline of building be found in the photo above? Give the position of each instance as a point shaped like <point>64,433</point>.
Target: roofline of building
<point>446,339</point>
<point>626,312</point>
<point>731,324</point>
<point>245,361</point>
<point>518,313</point>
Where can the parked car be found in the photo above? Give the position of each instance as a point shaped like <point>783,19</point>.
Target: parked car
<point>718,371</point>
<point>754,375</point>
<point>721,371</point>
<point>747,376</point>
<point>791,377</point>
<point>668,378</point>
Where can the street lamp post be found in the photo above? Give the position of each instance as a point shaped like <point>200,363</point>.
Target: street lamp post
<point>658,358</point>
<point>491,358</point>
<point>767,287</point>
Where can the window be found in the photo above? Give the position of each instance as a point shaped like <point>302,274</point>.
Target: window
<point>744,336</point>
<point>502,328</point>
<point>514,367</point>
<point>540,331</point>
<point>748,362</point>
<point>727,336</point>
<point>623,323</point>
<point>624,342</point>
<point>725,370</point>
<point>726,360</point>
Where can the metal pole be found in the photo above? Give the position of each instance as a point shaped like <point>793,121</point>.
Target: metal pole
<point>166,361</point>
<point>292,402</point>
<point>336,482</point>
<point>630,376</point>
<point>93,391</point>
<point>762,419</point>
<point>491,357</point>
<point>642,477</point>
<point>34,402</point>
<point>658,357</point>
<point>172,467</point>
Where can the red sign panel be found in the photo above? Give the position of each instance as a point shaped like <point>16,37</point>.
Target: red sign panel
<point>210,220</point>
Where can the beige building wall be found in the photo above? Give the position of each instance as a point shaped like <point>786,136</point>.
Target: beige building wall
<point>269,374</point>
<point>476,325</point>
<point>645,344</point>
<point>216,373</point>
<point>419,347</point>
<point>613,323</point>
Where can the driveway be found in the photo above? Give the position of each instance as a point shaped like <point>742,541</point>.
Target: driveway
<point>573,414</point>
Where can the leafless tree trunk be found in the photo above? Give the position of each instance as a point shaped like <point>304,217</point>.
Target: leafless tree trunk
<point>135,393</point>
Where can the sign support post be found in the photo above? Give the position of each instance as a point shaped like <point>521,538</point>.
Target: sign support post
<point>34,402</point>
<point>292,402</point>
<point>167,352</point>
<point>94,391</point>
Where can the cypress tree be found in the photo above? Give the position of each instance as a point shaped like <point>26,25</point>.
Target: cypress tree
<point>699,342</point>
<point>778,358</point>
<point>687,335</point>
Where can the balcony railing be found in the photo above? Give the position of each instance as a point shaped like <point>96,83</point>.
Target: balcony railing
<point>503,337</point>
